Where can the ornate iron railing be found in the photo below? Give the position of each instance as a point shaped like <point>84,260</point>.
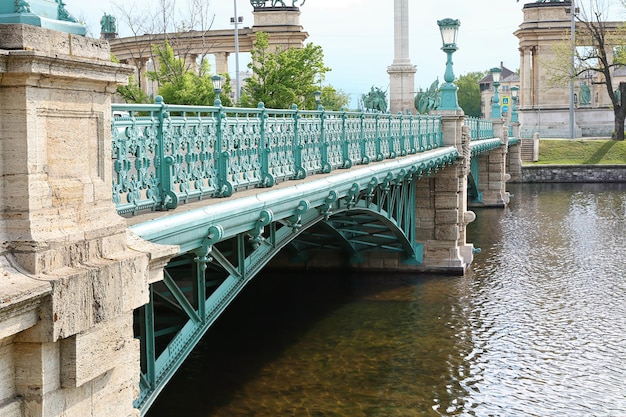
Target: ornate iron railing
<point>164,155</point>
<point>480,128</point>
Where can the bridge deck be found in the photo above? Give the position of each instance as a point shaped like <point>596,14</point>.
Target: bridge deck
<point>172,227</point>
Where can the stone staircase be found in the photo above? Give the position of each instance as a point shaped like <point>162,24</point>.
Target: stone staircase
<point>527,149</point>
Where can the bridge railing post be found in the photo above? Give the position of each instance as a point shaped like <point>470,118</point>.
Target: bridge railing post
<point>222,156</point>
<point>516,129</point>
<point>413,120</point>
<point>298,147</point>
<point>345,142</point>
<point>363,140</point>
<point>267,179</point>
<point>391,137</point>
<point>324,143</point>
<point>166,162</point>
<point>379,151</point>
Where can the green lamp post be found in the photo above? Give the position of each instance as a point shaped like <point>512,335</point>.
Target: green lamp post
<point>318,99</point>
<point>514,93</point>
<point>495,102</point>
<point>217,88</point>
<point>449,29</point>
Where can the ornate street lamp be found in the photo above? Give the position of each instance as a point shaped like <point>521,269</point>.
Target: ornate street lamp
<point>449,29</point>
<point>514,93</point>
<point>495,103</point>
<point>217,88</point>
<point>318,99</point>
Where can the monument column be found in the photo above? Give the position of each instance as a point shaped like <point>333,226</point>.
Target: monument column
<point>401,72</point>
<point>221,62</point>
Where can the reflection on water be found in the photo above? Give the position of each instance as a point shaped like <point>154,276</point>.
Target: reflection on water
<point>537,328</point>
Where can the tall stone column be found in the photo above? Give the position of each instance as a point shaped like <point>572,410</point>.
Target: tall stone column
<point>401,72</point>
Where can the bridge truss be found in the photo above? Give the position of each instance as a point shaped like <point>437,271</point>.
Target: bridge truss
<point>225,245</point>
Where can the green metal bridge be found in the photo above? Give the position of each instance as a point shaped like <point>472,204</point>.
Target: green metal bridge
<point>234,187</point>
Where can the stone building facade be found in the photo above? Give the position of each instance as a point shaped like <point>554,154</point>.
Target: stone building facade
<point>544,107</point>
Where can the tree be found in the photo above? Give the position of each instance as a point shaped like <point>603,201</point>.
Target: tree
<point>283,77</point>
<point>593,54</point>
<point>132,93</point>
<point>332,99</point>
<point>469,93</point>
<point>165,23</point>
<point>178,84</point>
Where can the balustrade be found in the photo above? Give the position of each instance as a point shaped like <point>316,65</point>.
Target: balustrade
<point>164,155</point>
<point>479,128</point>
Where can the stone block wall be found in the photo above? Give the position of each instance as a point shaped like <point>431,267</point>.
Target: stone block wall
<point>573,173</point>
<point>70,275</point>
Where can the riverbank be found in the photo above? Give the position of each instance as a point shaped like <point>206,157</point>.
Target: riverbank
<point>597,151</point>
<point>572,161</point>
<point>573,173</point>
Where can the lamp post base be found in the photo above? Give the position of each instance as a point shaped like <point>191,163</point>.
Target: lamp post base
<point>449,99</point>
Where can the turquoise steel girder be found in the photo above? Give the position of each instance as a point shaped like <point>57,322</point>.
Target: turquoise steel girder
<point>366,209</point>
<point>233,276</point>
<point>485,145</point>
<point>237,215</point>
<point>478,147</point>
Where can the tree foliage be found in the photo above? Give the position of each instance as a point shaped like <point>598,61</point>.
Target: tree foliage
<point>163,23</point>
<point>132,92</point>
<point>179,83</point>
<point>469,93</point>
<point>283,77</point>
<point>333,99</point>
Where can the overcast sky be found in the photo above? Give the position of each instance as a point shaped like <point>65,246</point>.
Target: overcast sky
<point>357,35</point>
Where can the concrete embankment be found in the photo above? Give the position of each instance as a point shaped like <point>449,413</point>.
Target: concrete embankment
<point>573,173</point>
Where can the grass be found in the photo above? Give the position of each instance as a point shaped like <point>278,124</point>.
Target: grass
<point>581,152</point>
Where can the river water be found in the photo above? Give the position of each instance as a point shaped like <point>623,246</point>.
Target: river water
<point>536,328</point>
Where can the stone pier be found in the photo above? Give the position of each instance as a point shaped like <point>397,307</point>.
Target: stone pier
<point>70,276</point>
<point>442,214</point>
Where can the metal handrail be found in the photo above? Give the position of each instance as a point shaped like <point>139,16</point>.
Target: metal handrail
<point>479,128</point>
<point>164,155</point>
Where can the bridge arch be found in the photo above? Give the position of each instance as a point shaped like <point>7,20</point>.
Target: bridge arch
<point>361,217</point>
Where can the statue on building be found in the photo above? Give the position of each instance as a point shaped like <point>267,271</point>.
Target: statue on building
<point>22,6</point>
<point>274,3</point>
<point>375,100</point>
<point>585,94</point>
<point>108,25</point>
<point>63,14</point>
<point>428,100</point>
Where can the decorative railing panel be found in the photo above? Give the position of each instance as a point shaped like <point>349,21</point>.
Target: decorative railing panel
<point>479,128</point>
<point>164,155</point>
<point>334,137</point>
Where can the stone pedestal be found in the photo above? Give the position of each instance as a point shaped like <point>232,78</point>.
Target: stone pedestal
<point>283,26</point>
<point>68,278</point>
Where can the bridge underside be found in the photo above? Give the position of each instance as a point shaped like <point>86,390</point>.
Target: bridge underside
<point>348,221</point>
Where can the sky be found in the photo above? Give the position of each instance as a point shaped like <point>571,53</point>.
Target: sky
<point>357,35</point>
